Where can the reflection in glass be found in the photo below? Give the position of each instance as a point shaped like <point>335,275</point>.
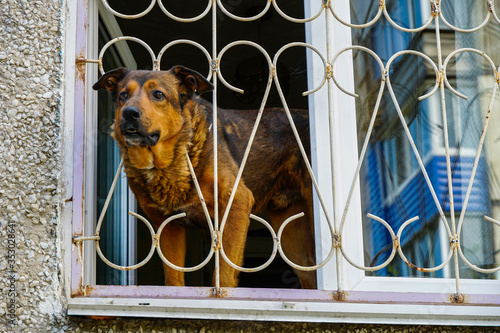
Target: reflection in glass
<point>392,183</point>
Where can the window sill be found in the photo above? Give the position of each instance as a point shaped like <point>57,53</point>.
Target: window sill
<point>419,312</point>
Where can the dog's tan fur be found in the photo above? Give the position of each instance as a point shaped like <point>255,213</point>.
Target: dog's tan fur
<point>159,119</point>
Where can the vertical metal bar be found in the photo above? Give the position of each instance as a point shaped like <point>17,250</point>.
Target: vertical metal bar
<point>132,236</point>
<point>437,10</point>
<point>322,226</point>
<point>338,255</point>
<point>215,68</point>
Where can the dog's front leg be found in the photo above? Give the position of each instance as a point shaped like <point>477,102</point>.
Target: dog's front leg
<point>297,240</point>
<point>173,247</point>
<point>234,236</point>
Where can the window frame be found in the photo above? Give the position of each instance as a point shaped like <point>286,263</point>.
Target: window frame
<point>127,197</point>
<point>364,299</point>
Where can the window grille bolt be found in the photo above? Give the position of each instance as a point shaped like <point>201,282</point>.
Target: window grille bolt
<point>329,71</point>
<point>216,237</point>
<point>454,241</point>
<point>84,290</point>
<point>217,292</point>
<point>215,65</point>
<point>435,7</point>
<point>440,76</point>
<point>385,74</point>
<point>395,241</point>
<point>339,295</point>
<point>457,298</point>
<point>381,4</point>
<point>337,241</point>
<point>272,71</point>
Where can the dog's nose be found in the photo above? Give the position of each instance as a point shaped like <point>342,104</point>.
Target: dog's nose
<point>131,113</point>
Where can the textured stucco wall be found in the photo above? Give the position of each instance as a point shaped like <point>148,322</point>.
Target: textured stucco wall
<point>31,144</point>
<point>30,69</point>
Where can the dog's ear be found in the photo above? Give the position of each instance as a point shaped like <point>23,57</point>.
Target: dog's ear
<point>191,81</point>
<point>109,80</point>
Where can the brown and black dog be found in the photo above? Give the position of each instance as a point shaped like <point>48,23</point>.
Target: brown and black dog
<point>159,119</point>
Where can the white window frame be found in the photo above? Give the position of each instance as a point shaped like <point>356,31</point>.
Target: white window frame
<point>91,119</point>
<point>366,299</point>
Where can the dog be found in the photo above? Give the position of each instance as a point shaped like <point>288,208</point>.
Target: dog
<point>160,117</point>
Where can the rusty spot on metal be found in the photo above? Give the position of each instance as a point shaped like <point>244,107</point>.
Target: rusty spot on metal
<point>216,236</point>
<point>80,67</point>
<point>84,289</point>
<point>329,71</point>
<point>454,241</point>
<point>220,292</point>
<point>337,241</point>
<point>457,298</point>
<point>435,8</point>
<point>396,243</point>
<point>76,239</point>
<point>414,266</point>
<point>80,292</point>
<point>77,293</point>
<point>214,64</point>
<point>339,295</point>
<point>440,76</point>
<point>385,74</point>
<point>101,317</point>
<point>89,288</point>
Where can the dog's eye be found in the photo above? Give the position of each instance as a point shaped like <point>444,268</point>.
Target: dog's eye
<point>158,95</point>
<point>123,96</point>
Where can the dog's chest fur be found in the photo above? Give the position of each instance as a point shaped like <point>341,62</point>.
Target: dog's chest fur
<point>163,191</point>
<point>171,188</point>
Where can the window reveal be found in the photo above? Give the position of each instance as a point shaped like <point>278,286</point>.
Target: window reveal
<point>402,175</point>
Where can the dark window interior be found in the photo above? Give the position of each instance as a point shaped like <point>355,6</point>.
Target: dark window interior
<point>242,66</point>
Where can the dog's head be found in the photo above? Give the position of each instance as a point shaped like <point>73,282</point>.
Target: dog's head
<point>150,104</point>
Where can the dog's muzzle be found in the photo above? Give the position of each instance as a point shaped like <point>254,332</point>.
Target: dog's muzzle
<point>133,130</point>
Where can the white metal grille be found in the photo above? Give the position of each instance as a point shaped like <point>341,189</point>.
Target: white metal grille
<point>337,222</point>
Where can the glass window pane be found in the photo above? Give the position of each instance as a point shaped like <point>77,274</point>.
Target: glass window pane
<point>392,184</point>
<point>244,67</point>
